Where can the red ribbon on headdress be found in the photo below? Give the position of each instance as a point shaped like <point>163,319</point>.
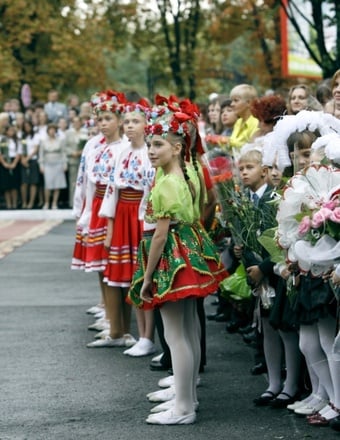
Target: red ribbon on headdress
<point>144,103</point>
<point>121,98</point>
<point>189,108</point>
<point>172,102</point>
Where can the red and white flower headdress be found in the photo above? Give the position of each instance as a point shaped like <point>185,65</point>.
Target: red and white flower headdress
<point>142,106</point>
<point>171,115</point>
<point>108,101</point>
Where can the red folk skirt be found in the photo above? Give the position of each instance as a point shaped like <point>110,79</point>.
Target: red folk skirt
<point>89,252</point>
<point>127,233</point>
<point>189,267</point>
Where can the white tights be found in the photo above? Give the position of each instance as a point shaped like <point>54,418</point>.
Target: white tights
<point>182,333</point>
<point>292,360</point>
<point>327,333</point>
<point>272,347</point>
<point>275,344</point>
<point>316,341</point>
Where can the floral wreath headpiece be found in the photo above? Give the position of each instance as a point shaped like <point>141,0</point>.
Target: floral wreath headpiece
<point>108,101</point>
<point>142,106</point>
<point>175,116</point>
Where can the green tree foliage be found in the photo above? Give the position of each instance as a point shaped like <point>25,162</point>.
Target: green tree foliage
<point>50,43</point>
<point>177,23</point>
<point>188,47</point>
<point>254,26</point>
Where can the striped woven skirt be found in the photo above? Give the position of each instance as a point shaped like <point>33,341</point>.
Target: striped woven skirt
<point>127,233</point>
<point>89,253</point>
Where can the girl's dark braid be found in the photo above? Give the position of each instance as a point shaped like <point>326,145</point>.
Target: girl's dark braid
<point>195,164</point>
<point>194,160</point>
<point>186,175</point>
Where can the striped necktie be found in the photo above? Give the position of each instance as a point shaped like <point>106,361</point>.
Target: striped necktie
<point>255,198</point>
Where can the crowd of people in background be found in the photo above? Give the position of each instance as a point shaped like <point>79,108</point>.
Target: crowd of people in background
<point>106,170</point>
<point>26,182</point>
<point>273,140</point>
<point>40,149</point>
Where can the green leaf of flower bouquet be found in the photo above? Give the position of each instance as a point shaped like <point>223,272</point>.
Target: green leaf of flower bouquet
<point>267,240</point>
<point>333,229</point>
<point>298,217</point>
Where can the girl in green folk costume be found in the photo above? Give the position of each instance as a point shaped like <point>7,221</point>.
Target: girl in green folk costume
<point>172,269</point>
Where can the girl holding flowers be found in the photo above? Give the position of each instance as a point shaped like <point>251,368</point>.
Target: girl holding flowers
<point>305,217</point>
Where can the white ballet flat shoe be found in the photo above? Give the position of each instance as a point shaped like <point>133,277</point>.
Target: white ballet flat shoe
<point>162,395</point>
<point>129,340</point>
<point>295,405</point>
<point>164,406</point>
<point>168,405</point>
<point>95,309</point>
<point>107,342</point>
<point>169,418</point>
<point>308,409</point>
<point>304,402</point>
<point>168,381</point>
<point>102,334</point>
<point>99,325</point>
<point>144,347</point>
<point>99,315</point>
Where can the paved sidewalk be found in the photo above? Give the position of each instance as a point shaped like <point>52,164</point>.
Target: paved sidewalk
<point>54,388</point>
<point>36,214</point>
<point>14,233</point>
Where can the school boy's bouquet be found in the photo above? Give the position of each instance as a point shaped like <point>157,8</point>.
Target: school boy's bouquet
<point>240,219</point>
<point>216,141</point>
<point>237,213</point>
<point>309,218</point>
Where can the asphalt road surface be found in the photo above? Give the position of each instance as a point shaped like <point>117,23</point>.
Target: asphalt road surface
<point>54,388</point>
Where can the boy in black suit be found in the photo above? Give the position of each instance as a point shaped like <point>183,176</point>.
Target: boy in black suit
<point>259,268</point>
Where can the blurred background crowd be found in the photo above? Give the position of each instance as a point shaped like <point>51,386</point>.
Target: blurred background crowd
<point>41,145</point>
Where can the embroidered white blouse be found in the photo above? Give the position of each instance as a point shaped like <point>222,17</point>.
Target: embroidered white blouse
<point>132,169</point>
<point>98,171</point>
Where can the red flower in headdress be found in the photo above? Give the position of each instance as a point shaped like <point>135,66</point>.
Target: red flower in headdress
<point>144,103</point>
<point>157,129</point>
<point>173,103</point>
<point>189,108</point>
<point>108,101</point>
<point>181,117</point>
<point>160,100</point>
<point>118,95</point>
<point>174,124</point>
